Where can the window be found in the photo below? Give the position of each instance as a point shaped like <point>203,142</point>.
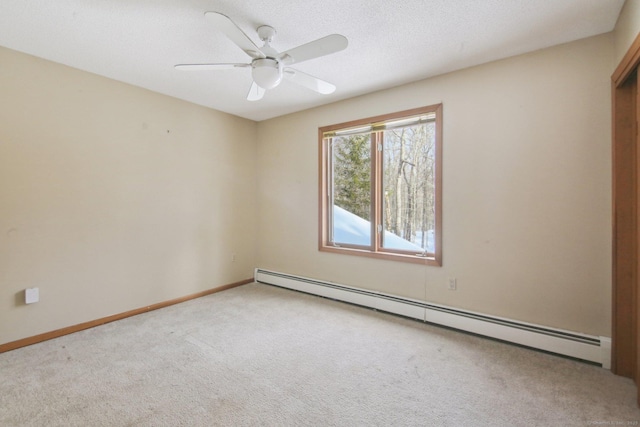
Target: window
<point>380,186</point>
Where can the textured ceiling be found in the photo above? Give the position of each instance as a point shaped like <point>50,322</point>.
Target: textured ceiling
<point>390,42</point>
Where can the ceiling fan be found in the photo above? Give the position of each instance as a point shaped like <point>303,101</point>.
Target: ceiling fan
<point>268,67</point>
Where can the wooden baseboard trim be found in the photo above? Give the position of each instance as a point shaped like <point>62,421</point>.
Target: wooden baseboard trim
<point>93,323</point>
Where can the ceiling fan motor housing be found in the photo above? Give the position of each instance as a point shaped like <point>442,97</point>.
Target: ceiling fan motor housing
<point>266,72</point>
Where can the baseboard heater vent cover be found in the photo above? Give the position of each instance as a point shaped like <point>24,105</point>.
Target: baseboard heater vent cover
<point>573,344</point>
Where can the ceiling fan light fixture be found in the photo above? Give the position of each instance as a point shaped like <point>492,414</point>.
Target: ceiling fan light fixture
<point>266,72</point>
<point>267,64</point>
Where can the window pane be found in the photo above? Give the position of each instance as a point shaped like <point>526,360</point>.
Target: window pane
<point>408,188</point>
<point>351,171</point>
<point>380,186</point>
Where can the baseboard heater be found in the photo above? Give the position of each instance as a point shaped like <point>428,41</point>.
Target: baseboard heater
<point>573,344</point>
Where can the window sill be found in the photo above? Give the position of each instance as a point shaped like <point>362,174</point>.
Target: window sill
<point>413,259</point>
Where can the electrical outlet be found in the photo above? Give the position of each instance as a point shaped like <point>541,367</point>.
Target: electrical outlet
<point>233,257</point>
<point>453,284</point>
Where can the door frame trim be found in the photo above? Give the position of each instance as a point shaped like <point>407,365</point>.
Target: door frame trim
<point>624,87</point>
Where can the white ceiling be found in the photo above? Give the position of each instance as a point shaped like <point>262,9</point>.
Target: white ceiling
<point>390,42</point>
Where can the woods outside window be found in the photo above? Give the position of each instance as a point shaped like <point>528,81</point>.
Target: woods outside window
<point>380,186</point>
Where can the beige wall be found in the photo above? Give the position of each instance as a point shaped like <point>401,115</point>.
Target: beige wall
<point>627,28</point>
<point>526,190</point>
<point>113,197</point>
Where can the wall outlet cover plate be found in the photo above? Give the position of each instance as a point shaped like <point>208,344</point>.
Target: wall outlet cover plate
<point>31,295</point>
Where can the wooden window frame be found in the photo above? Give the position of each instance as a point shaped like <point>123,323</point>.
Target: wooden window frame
<point>324,179</point>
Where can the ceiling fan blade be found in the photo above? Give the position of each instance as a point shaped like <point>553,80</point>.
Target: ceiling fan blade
<point>310,82</point>
<point>255,92</point>
<point>315,49</point>
<point>201,67</point>
<point>234,33</point>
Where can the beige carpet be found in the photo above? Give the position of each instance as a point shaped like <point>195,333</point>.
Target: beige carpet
<point>260,355</point>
